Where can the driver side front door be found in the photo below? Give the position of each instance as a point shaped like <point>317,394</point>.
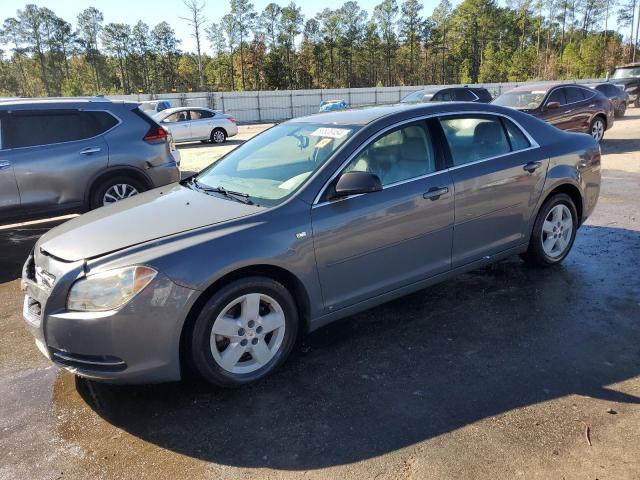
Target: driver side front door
<point>367,245</point>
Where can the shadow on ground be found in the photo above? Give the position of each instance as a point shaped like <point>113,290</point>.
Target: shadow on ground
<point>620,145</point>
<point>480,345</point>
<point>190,145</point>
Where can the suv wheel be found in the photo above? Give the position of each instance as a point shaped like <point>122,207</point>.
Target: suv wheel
<point>218,136</point>
<point>244,332</point>
<point>115,189</point>
<point>553,233</point>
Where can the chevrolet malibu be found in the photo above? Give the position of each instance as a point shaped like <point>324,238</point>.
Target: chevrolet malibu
<point>313,220</point>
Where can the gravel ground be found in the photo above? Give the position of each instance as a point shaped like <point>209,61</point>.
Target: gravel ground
<point>497,374</point>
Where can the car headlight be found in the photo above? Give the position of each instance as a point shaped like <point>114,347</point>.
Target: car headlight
<point>109,290</point>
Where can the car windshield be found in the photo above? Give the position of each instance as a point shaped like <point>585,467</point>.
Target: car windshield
<point>416,97</point>
<point>626,73</point>
<point>521,99</point>
<point>271,166</point>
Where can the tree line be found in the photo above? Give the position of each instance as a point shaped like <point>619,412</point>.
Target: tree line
<point>278,48</point>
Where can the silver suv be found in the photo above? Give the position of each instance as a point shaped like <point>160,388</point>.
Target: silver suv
<point>61,156</point>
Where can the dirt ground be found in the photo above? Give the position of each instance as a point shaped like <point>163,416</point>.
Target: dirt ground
<point>505,372</point>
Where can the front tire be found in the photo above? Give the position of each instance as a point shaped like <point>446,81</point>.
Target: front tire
<point>553,232</point>
<point>244,332</point>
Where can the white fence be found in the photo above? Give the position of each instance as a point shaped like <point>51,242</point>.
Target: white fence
<point>277,105</point>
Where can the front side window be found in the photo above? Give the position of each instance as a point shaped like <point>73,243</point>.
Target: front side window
<point>557,95</point>
<point>402,154</point>
<point>273,165</point>
<point>474,138</point>
<point>176,117</point>
<point>28,129</point>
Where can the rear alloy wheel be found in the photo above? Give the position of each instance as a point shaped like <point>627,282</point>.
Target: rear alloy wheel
<point>244,332</point>
<point>553,233</point>
<point>597,128</point>
<point>115,189</point>
<point>218,136</point>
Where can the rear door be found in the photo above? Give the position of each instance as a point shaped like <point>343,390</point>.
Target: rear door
<point>495,193</point>
<point>55,154</point>
<point>9,195</point>
<point>579,111</point>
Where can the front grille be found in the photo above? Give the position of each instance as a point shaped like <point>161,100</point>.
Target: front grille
<point>98,363</point>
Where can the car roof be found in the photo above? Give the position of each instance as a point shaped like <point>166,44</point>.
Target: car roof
<point>61,102</point>
<point>169,111</point>
<point>545,86</point>
<point>365,115</point>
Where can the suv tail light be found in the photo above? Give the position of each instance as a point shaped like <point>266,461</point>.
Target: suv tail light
<point>156,134</point>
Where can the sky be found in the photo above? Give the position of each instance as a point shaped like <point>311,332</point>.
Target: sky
<point>156,11</point>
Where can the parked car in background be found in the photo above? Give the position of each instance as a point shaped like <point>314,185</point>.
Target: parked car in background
<point>61,156</point>
<point>188,124</point>
<point>628,78</point>
<point>616,94</point>
<point>332,105</point>
<point>449,94</point>
<point>571,107</point>
<point>316,219</point>
<point>154,106</point>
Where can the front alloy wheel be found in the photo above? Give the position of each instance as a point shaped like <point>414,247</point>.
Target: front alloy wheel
<point>118,192</point>
<point>244,331</point>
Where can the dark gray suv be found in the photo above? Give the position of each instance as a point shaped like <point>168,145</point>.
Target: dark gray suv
<point>70,155</point>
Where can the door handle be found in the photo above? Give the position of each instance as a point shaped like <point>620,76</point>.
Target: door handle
<point>435,193</point>
<point>592,105</point>
<point>4,164</point>
<point>532,166</point>
<point>569,111</point>
<point>90,150</point>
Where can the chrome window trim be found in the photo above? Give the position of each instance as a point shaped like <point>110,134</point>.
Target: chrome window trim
<point>532,142</point>
<point>592,94</point>
<point>120,122</point>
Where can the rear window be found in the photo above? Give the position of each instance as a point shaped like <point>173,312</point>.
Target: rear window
<point>28,129</point>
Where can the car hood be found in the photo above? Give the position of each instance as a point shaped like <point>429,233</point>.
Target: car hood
<point>154,214</point>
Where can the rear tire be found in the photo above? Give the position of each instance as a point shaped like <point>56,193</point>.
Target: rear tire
<point>115,189</point>
<point>218,136</point>
<point>244,332</point>
<point>553,232</point>
<point>636,102</point>
<point>597,128</point>
<point>621,110</point>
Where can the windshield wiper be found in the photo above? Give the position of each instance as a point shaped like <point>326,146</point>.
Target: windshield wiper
<point>238,196</point>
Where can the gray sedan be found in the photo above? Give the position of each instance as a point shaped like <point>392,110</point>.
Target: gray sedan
<point>315,219</point>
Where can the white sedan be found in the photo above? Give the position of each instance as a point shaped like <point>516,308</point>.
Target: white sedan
<point>188,124</point>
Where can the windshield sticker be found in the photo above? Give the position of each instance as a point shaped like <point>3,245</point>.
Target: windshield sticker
<point>323,142</point>
<point>330,132</point>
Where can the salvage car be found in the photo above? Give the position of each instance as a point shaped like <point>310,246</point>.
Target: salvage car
<point>188,124</point>
<point>313,220</point>
<point>575,108</point>
<point>60,156</point>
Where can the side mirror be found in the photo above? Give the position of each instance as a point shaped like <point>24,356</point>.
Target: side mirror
<point>553,105</point>
<point>354,183</point>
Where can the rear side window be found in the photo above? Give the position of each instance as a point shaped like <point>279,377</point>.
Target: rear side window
<point>464,95</point>
<point>473,138</point>
<point>199,114</point>
<point>574,94</point>
<point>28,129</point>
<point>517,139</point>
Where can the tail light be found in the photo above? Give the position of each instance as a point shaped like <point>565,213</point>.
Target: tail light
<point>156,135</point>
<point>231,119</point>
